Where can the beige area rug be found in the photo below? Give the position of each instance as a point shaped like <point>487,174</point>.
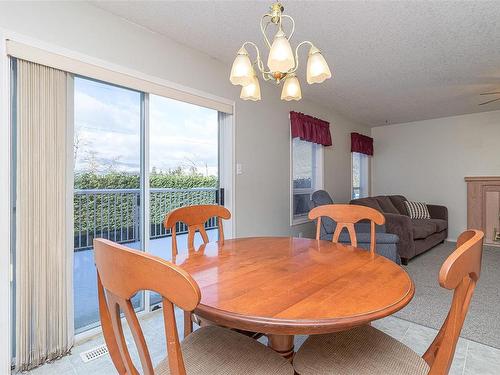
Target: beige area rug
<point>431,303</point>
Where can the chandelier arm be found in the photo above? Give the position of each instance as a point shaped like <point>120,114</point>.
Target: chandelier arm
<point>265,76</point>
<point>260,64</point>
<point>294,69</point>
<point>293,24</point>
<point>258,60</point>
<point>263,29</point>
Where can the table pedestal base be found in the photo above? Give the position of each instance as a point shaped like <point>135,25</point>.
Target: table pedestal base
<point>282,344</point>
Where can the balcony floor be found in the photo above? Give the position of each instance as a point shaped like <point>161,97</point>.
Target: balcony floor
<point>85,278</point>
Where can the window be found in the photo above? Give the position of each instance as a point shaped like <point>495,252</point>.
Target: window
<point>360,175</point>
<point>307,176</point>
<point>107,175</point>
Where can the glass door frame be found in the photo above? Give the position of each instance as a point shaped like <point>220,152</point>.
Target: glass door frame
<point>93,328</point>
<point>144,186</point>
<point>226,123</point>
<point>227,165</point>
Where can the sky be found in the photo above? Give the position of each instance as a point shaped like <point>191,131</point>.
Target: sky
<point>303,162</point>
<point>107,131</point>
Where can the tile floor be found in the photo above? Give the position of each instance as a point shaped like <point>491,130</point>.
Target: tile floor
<point>470,357</point>
<point>85,279</point>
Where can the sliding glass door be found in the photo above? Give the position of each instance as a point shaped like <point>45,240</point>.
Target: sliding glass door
<point>183,166</point>
<point>107,183</point>
<point>136,157</point>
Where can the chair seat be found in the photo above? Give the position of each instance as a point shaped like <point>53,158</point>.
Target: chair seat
<point>216,350</point>
<point>359,351</point>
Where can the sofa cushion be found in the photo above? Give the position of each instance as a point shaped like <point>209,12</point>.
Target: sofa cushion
<point>399,202</point>
<point>386,204</point>
<point>423,228</point>
<point>417,210</point>
<point>368,202</point>
<point>440,224</point>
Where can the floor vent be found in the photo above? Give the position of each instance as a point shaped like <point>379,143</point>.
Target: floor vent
<point>94,353</point>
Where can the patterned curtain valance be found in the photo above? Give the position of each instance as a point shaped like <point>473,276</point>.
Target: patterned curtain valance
<point>310,129</point>
<point>362,144</point>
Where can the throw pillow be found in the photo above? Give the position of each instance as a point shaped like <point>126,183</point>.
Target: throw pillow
<point>417,210</point>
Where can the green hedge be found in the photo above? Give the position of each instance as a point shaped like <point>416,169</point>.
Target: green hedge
<point>176,180</point>
<point>116,215</point>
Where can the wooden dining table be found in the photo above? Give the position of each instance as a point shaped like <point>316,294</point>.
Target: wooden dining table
<point>282,286</point>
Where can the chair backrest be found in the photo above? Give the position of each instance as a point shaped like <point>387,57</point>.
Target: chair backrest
<point>346,215</point>
<point>122,272</point>
<point>460,272</point>
<point>195,218</point>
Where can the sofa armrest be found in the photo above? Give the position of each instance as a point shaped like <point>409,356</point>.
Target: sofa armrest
<point>438,212</point>
<point>401,226</point>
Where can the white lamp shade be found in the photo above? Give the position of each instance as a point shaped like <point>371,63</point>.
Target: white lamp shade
<point>280,56</point>
<point>241,71</point>
<point>317,68</point>
<point>291,89</point>
<point>251,91</point>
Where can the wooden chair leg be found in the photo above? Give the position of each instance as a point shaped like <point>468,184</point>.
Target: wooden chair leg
<point>188,323</point>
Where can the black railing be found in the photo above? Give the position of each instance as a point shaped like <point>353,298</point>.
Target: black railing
<point>115,213</point>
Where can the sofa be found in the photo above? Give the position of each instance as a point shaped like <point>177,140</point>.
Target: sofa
<point>415,235</point>
<point>386,243</point>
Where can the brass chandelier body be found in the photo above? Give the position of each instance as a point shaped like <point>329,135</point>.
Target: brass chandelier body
<point>282,63</point>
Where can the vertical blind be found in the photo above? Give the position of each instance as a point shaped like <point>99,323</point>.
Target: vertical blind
<point>44,318</point>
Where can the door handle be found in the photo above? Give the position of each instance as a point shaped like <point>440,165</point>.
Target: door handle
<point>220,196</point>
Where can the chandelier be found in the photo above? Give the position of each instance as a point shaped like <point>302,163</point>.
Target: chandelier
<point>282,64</point>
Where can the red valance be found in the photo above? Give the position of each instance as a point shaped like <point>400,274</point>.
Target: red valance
<point>361,143</point>
<point>310,129</point>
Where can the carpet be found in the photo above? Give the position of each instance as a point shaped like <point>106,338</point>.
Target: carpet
<point>431,303</point>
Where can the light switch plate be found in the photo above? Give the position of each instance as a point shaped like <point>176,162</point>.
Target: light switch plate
<point>239,168</point>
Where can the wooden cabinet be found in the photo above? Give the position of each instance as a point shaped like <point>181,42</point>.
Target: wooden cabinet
<point>483,206</point>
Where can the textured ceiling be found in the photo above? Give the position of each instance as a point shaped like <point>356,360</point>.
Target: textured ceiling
<point>392,62</point>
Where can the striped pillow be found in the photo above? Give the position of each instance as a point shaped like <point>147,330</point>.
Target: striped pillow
<point>417,210</point>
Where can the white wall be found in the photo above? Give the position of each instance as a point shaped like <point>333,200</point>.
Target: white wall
<point>428,160</point>
<point>262,129</point>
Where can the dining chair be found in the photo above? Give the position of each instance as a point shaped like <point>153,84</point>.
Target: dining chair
<point>366,350</point>
<point>345,216</point>
<point>194,217</point>
<point>121,273</point>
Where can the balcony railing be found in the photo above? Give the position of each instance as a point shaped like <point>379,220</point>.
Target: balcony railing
<point>115,213</point>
